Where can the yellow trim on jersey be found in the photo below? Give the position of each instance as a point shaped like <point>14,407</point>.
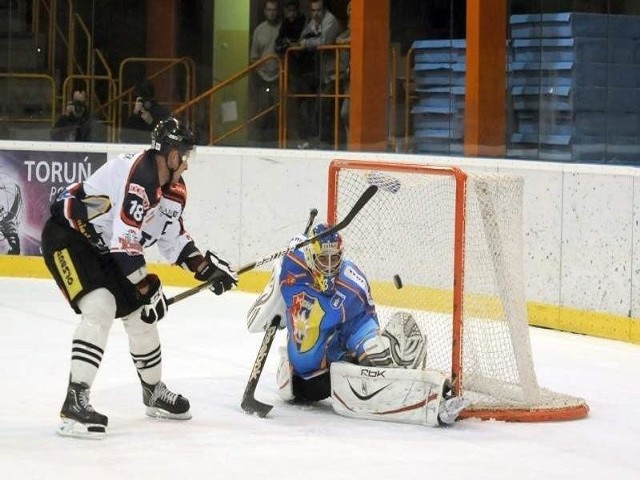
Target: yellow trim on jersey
<point>597,324</point>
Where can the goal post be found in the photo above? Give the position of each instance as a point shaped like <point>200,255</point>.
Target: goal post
<point>455,240</point>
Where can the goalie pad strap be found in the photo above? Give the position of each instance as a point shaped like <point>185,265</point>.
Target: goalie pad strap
<point>387,394</point>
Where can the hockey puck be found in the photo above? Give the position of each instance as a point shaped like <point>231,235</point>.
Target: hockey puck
<point>397,281</point>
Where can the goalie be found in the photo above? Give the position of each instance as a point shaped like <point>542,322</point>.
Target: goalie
<point>335,347</point>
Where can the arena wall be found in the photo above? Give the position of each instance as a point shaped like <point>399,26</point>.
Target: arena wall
<point>581,224</point>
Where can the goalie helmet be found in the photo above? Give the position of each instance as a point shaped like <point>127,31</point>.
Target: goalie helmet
<point>324,257</point>
<point>170,133</point>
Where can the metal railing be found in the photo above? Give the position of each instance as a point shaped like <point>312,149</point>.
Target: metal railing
<point>119,102</point>
<point>210,96</point>
<point>337,77</point>
<point>46,120</point>
<point>124,98</point>
<point>110,118</point>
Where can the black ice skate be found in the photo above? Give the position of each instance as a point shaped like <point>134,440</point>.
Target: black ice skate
<point>163,403</point>
<point>79,419</point>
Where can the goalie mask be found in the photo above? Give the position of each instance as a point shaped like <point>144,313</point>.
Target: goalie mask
<point>324,258</point>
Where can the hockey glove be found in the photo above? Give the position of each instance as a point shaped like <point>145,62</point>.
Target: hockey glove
<point>154,302</point>
<point>218,272</point>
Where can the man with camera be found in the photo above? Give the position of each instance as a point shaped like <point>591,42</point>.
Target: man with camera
<point>147,112</point>
<point>76,124</point>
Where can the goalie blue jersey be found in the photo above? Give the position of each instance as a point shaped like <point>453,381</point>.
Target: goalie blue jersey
<point>325,327</point>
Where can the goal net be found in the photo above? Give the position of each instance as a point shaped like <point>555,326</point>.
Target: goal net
<point>455,241</point>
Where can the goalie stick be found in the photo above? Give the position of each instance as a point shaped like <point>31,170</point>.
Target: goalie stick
<point>360,203</point>
<point>249,402</point>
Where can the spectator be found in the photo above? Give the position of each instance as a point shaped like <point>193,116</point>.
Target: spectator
<point>76,124</point>
<point>291,27</point>
<point>266,90</point>
<point>147,112</point>
<point>323,29</point>
<point>290,30</point>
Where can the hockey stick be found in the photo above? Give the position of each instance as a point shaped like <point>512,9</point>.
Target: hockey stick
<point>360,203</point>
<point>249,402</point>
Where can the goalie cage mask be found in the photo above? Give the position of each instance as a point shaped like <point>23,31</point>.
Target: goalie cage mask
<point>324,257</point>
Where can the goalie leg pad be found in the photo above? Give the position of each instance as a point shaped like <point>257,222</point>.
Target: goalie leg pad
<point>284,380</point>
<point>388,394</point>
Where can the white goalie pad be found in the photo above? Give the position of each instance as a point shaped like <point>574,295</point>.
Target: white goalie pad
<point>268,305</point>
<point>400,344</point>
<point>407,344</point>
<point>283,376</point>
<point>388,394</point>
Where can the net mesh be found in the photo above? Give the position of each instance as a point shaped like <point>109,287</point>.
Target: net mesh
<point>408,229</point>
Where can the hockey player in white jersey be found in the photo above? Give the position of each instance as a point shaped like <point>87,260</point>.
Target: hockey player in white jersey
<point>93,245</point>
<point>335,347</point>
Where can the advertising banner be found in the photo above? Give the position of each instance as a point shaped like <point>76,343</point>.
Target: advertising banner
<point>29,181</point>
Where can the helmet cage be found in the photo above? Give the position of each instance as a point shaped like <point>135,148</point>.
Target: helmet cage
<point>324,257</point>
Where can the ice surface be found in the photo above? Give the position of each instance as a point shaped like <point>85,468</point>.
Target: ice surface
<point>208,355</point>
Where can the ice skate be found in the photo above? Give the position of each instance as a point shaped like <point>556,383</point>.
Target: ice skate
<point>79,418</point>
<point>450,408</point>
<point>163,403</point>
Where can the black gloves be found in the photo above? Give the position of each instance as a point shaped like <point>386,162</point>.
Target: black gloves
<point>217,271</point>
<point>154,302</point>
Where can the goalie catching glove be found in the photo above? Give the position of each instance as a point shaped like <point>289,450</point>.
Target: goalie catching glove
<point>216,271</point>
<point>154,303</point>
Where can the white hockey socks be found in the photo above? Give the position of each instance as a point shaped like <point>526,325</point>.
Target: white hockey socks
<point>98,309</point>
<point>144,346</point>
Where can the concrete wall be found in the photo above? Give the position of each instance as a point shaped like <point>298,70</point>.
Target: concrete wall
<point>581,232</point>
